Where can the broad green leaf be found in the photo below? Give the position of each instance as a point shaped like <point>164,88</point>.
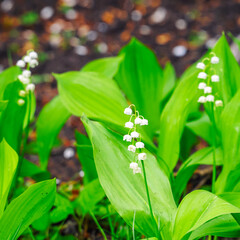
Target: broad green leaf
<point>63,208</point>
<point>29,169</point>
<point>3,105</point>
<point>201,127</point>
<point>11,129</point>
<point>142,80</point>
<point>50,121</point>
<point>201,157</point>
<point>230,134</point>
<point>25,209</point>
<point>8,163</point>
<point>6,77</point>
<point>85,154</point>
<point>126,191</point>
<point>224,226</point>
<point>89,197</point>
<point>93,94</point>
<point>196,209</point>
<point>107,66</point>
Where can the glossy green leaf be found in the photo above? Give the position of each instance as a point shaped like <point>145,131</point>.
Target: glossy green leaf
<point>8,163</point>
<point>12,130</point>
<point>6,77</point>
<point>230,133</point>
<point>107,66</point>
<point>144,82</point>
<point>89,197</point>
<point>126,191</point>
<point>85,154</point>
<point>25,209</point>
<point>29,169</point>
<point>50,121</point>
<point>62,209</point>
<point>201,157</point>
<point>197,208</point>
<point>93,94</point>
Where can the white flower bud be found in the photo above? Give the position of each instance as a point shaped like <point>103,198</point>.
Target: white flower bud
<point>219,103</point>
<point>131,148</point>
<point>129,125</point>
<point>128,111</point>
<point>201,65</point>
<point>210,98</point>
<point>26,73</point>
<point>142,156</point>
<point>202,99</point>
<point>207,90</point>
<point>20,102</point>
<point>202,85</point>
<point>215,60</point>
<point>22,93</point>
<point>144,122</point>
<point>133,165</point>
<point>23,79</point>
<point>33,55</point>
<point>21,63</point>
<point>127,138</point>
<point>139,145</point>
<point>135,134</point>
<point>202,75</point>
<point>137,170</point>
<point>26,59</point>
<point>138,120</point>
<point>33,63</point>
<point>30,87</point>
<point>215,78</point>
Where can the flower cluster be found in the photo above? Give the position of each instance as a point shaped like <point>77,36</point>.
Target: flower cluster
<point>134,137</point>
<point>28,61</point>
<point>207,82</point>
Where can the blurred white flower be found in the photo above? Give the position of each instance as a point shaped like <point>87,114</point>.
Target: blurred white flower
<point>202,75</point>
<point>210,98</point>
<point>20,102</point>
<point>215,78</point>
<point>144,122</point>
<point>200,65</point>
<point>128,111</point>
<point>139,145</point>
<point>219,103</point>
<point>133,165</point>
<point>202,85</point>
<point>138,120</point>
<point>202,99</point>
<point>30,87</point>
<point>22,93</point>
<point>26,73</point>
<point>142,156</point>
<point>215,60</point>
<point>129,125</point>
<point>21,63</point>
<point>127,138</point>
<point>207,90</point>
<point>33,55</point>
<point>131,148</point>
<point>135,134</point>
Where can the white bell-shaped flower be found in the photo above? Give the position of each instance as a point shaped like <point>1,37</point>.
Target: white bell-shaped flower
<point>20,102</point>
<point>129,125</point>
<point>219,103</point>
<point>142,156</point>
<point>137,170</point>
<point>202,75</point>
<point>144,122</point>
<point>210,98</point>
<point>33,63</point>
<point>134,134</point>
<point>131,148</point>
<point>138,120</point>
<point>26,73</point>
<point>26,59</point>
<point>23,79</point>
<point>21,63</point>
<point>139,145</point>
<point>33,55</point>
<point>22,93</point>
<point>128,111</point>
<point>202,85</point>
<point>127,138</point>
<point>214,60</point>
<point>207,90</point>
<point>215,78</point>
<point>30,87</point>
<point>202,99</point>
<point>200,65</point>
<point>133,165</point>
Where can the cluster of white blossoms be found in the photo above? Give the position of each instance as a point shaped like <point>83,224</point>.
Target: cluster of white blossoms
<point>28,61</point>
<point>207,82</point>
<point>134,137</point>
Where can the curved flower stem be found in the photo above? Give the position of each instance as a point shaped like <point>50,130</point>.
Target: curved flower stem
<point>149,202</point>
<point>98,225</point>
